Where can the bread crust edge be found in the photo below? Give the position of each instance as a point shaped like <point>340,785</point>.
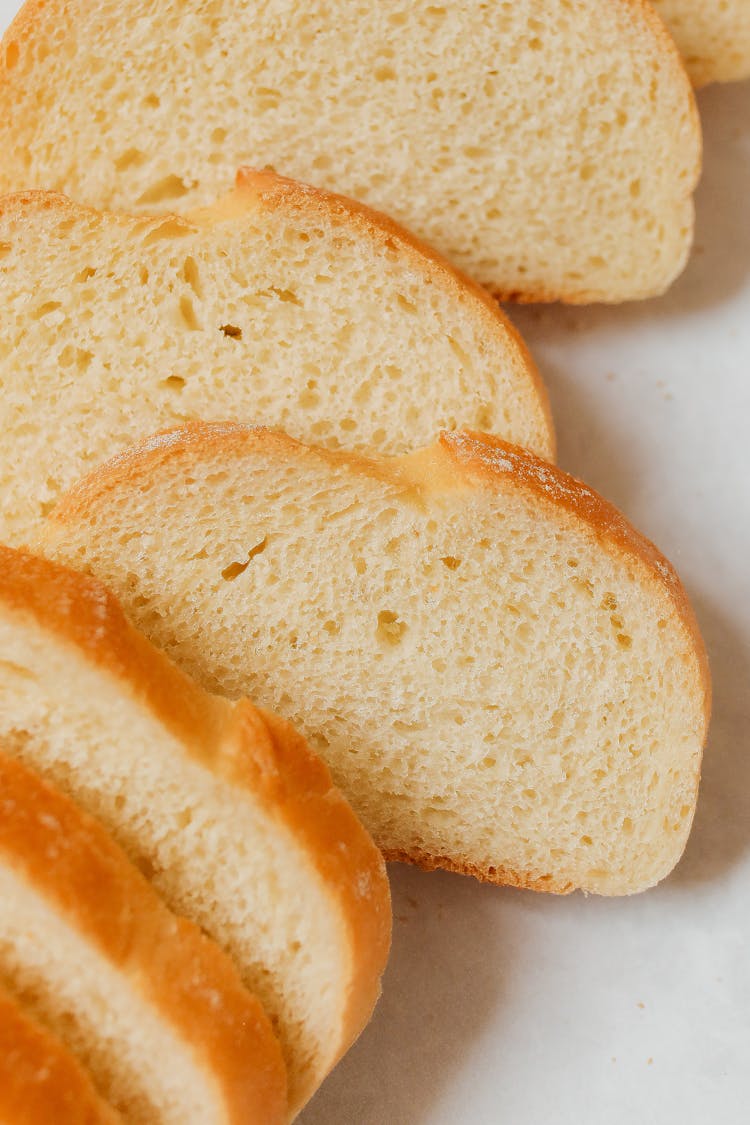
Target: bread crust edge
<point>40,1079</point>
<point>75,866</point>
<point>459,460</point>
<point>252,749</point>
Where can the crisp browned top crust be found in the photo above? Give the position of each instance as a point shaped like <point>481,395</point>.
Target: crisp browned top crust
<point>40,1080</point>
<point>344,855</point>
<point>74,864</point>
<point>487,459</point>
<point>252,749</point>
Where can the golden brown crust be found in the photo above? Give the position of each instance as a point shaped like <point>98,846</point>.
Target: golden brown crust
<point>500,876</point>
<point>258,752</point>
<point>72,862</point>
<point>345,856</point>
<point>486,459</point>
<point>83,612</point>
<point>40,1080</point>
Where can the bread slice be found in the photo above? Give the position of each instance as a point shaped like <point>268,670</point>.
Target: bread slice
<point>153,1008</point>
<point>40,1080</point>
<point>227,810</point>
<point>281,305</point>
<point>713,35</point>
<point>550,150</point>
<point>504,677</point>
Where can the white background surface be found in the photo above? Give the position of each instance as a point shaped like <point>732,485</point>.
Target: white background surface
<point>503,1007</point>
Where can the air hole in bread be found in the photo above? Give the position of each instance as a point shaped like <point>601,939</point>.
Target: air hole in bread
<point>45,309</point>
<point>406,304</point>
<point>174,382</point>
<point>286,295</point>
<point>131,158</point>
<point>187,312</point>
<point>191,276</point>
<point>85,274</point>
<point>390,629</point>
<point>170,228</point>
<point>164,190</point>
<point>451,562</point>
<point>235,569</point>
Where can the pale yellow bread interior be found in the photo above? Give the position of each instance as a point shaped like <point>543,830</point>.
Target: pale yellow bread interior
<point>713,36</point>
<point>281,305</point>
<point>41,1081</point>
<point>550,151</point>
<point>155,1010</point>
<point>225,808</point>
<point>503,676</point>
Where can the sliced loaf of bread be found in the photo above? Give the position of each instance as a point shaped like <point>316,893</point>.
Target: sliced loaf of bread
<point>41,1081</point>
<point>549,150</point>
<point>504,677</point>
<point>280,305</point>
<point>226,809</point>
<point>152,1007</point>
<point>713,36</point>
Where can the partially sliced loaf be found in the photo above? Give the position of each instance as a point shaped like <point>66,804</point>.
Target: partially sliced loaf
<point>152,1007</point>
<point>41,1082</point>
<point>504,677</point>
<point>713,35</point>
<point>549,150</point>
<point>281,305</point>
<point>233,818</point>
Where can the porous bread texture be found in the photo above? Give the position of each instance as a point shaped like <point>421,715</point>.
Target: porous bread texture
<point>281,305</point>
<point>233,818</point>
<point>40,1080</point>
<point>549,150</point>
<point>713,36</point>
<point>504,677</point>
<point>150,1005</point>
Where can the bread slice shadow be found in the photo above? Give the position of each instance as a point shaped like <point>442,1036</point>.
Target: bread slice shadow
<point>441,990</point>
